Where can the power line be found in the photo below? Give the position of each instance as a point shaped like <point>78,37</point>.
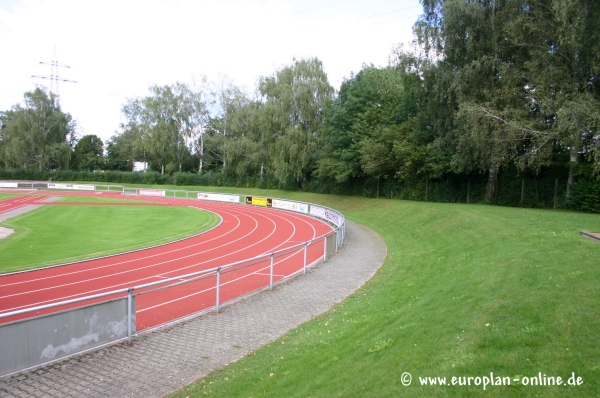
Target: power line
<point>394,20</point>
<point>326,5</point>
<point>390,12</point>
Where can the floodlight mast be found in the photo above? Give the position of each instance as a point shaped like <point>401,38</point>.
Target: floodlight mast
<point>54,77</point>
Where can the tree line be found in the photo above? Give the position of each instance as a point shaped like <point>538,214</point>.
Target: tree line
<point>496,99</point>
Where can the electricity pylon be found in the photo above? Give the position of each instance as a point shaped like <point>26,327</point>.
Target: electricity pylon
<point>54,77</point>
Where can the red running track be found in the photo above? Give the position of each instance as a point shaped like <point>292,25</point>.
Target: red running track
<point>245,232</point>
<point>18,202</point>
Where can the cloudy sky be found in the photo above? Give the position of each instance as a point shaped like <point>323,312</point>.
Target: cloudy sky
<point>116,49</point>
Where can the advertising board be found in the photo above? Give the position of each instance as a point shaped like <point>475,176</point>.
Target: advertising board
<point>151,192</point>
<point>294,206</point>
<point>76,187</point>
<point>326,214</point>
<point>218,197</point>
<point>251,200</point>
<point>9,185</point>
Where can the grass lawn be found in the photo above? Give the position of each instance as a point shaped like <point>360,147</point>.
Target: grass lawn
<point>466,290</point>
<point>59,234</point>
<point>99,199</point>
<point>5,196</point>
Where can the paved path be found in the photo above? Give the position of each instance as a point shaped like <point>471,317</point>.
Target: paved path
<point>17,212</point>
<point>5,232</point>
<point>25,209</point>
<point>161,362</point>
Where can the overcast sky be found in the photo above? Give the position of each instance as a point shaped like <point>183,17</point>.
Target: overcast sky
<point>116,49</point>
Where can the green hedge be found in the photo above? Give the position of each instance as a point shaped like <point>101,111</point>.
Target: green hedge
<point>585,196</point>
<point>150,177</point>
<point>546,190</point>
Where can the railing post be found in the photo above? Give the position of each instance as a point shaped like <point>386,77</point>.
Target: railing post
<point>218,289</point>
<point>305,250</point>
<point>336,240</point>
<point>129,314</point>
<point>271,273</point>
<point>325,248</point>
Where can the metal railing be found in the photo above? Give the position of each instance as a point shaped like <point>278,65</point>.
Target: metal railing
<point>194,276</point>
<point>288,262</point>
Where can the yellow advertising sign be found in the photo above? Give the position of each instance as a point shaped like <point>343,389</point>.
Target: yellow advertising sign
<point>250,200</point>
<point>260,201</point>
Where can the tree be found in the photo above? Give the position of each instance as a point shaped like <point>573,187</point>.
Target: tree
<point>478,74</point>
<point>117,158</point>
<point>190,115</point>
<point>123,149</point>
<point>240,139</point>
<point>504,78</point>
<point>230,123</point>
<point>295,97</point>
<point>370,128</point>
<point>35,135</point>
<point>89,153</point>
<point>164,125</point>
<point>564,68</point>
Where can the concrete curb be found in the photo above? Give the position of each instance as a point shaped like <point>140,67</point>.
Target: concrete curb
<point>594,236</point>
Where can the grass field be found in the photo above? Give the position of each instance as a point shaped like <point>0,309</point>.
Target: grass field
<point>99,199</point>
<point>58,234</point>
<point>81,198</point>
<point>466,290</point>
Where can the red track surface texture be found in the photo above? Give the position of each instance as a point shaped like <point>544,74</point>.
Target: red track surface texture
<point>19,201</point>
<point>245,232</point>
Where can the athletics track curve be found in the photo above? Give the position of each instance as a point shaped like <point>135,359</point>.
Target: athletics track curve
<point>245,232</point>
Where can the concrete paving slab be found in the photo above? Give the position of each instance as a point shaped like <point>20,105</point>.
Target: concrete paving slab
<point>17,212</point>
<point>5,232</point>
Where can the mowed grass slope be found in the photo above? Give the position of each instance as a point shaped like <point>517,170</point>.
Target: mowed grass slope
<point>59,234</point>
<point>466,290</point>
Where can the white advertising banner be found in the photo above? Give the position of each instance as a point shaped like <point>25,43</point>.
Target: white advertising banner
<point>219,197</point>
<point>151,192</point>
<point>71,186</point>
<point>294,206</point>
<point>326,214</point>
<point>9,185</point>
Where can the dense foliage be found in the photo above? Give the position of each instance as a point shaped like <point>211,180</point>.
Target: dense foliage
<point>36,135</point>
<point>499,102</point>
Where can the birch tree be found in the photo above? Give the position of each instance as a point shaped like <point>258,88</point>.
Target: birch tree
<point>34,135</point>
<point>295,97</point>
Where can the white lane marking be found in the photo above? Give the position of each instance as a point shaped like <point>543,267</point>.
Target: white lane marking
<point>213,287</point>
<point>127,283</point>
<point>125,262</point>
<point>177,270</point>
<point>107,276</point>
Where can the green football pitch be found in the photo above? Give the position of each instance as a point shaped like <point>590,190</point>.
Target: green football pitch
<point>58,234</point>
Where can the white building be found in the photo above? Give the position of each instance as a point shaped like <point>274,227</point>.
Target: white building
<point>140,166</point>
